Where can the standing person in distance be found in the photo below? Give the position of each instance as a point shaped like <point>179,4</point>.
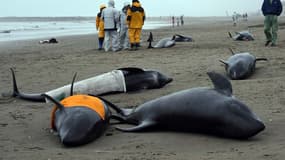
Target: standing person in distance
<point>123,31</point>
<point>110,17</point>
<point>135,21</point>
<point>271,9</point>
<point>100,27</point>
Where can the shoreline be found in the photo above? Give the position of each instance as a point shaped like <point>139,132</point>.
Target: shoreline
<point>23,28</point>
<point>24,127</point>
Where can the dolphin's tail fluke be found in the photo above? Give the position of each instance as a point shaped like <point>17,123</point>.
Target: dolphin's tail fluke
<point>150,39</point>
<point>17,93</point>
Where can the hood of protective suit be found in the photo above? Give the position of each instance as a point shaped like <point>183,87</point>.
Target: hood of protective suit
<point>111,3</point>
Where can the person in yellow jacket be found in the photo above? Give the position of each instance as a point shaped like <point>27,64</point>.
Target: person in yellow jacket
<point>135,21</point>
<point>100,27</point>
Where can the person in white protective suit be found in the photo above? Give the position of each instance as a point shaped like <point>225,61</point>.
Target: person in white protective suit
<point>110,16</point>
<point>123,30</point>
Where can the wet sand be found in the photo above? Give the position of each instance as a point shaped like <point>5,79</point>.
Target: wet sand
<point>24,126</point>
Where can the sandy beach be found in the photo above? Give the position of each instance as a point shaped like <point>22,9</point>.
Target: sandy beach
<point>24,126</point>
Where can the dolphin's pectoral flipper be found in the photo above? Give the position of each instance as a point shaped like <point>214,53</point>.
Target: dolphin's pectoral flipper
<point>179,35</point>
<point>119,118</point>
<point>141,127</point>
<point>150,37</point>
<point>57,103</point>
<point>15,87</point>
<point>232,51</point>
<point>230,35</point>
<point>224,62</point>
<point>261,59</point>
<point>221,83</point>
<point>149,40</point>
<point>121,111</point>
<point>239,33</point>
<point>116,108</point>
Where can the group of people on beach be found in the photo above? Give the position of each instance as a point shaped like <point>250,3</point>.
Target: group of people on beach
<point>179,20</point>
<point>120,29</point>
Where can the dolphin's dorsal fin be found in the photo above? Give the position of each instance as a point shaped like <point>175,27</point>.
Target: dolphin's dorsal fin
<point>221,83</point>
<point>72,84</point>
<point>116,108</point>
<point>57,103</point>
<point>132,70</point>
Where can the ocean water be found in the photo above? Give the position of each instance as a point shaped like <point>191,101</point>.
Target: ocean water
<point>17,28</point>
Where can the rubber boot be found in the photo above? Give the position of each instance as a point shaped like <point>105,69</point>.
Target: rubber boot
<point>137,45</point>
<point>132,47</point>
<point>101,40</point>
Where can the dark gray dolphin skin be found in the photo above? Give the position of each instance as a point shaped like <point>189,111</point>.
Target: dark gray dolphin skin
<point>241,65</point>
<point>135,79</point>
<point>163,43</point>
<point>78,124</point>
<point>181,38</point>
<point>138,79</point>
<point>242,36</point>
<point>79,119</point>
<point>213,111</point>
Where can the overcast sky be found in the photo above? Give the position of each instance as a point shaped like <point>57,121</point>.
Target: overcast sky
<point>152,7</point>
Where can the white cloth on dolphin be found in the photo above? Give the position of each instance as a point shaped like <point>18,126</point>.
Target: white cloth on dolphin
<point>113,81</point>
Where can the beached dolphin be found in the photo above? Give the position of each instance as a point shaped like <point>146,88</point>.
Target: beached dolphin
<point>52,40</point>
<point>205,110</point>
<point>119,80</point>
<point>242,36</point>
<point>163,43</point>
<point>241,65</point>
<point>79,119</point>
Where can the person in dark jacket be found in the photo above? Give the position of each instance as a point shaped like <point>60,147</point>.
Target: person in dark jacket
<point>271,9</point>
